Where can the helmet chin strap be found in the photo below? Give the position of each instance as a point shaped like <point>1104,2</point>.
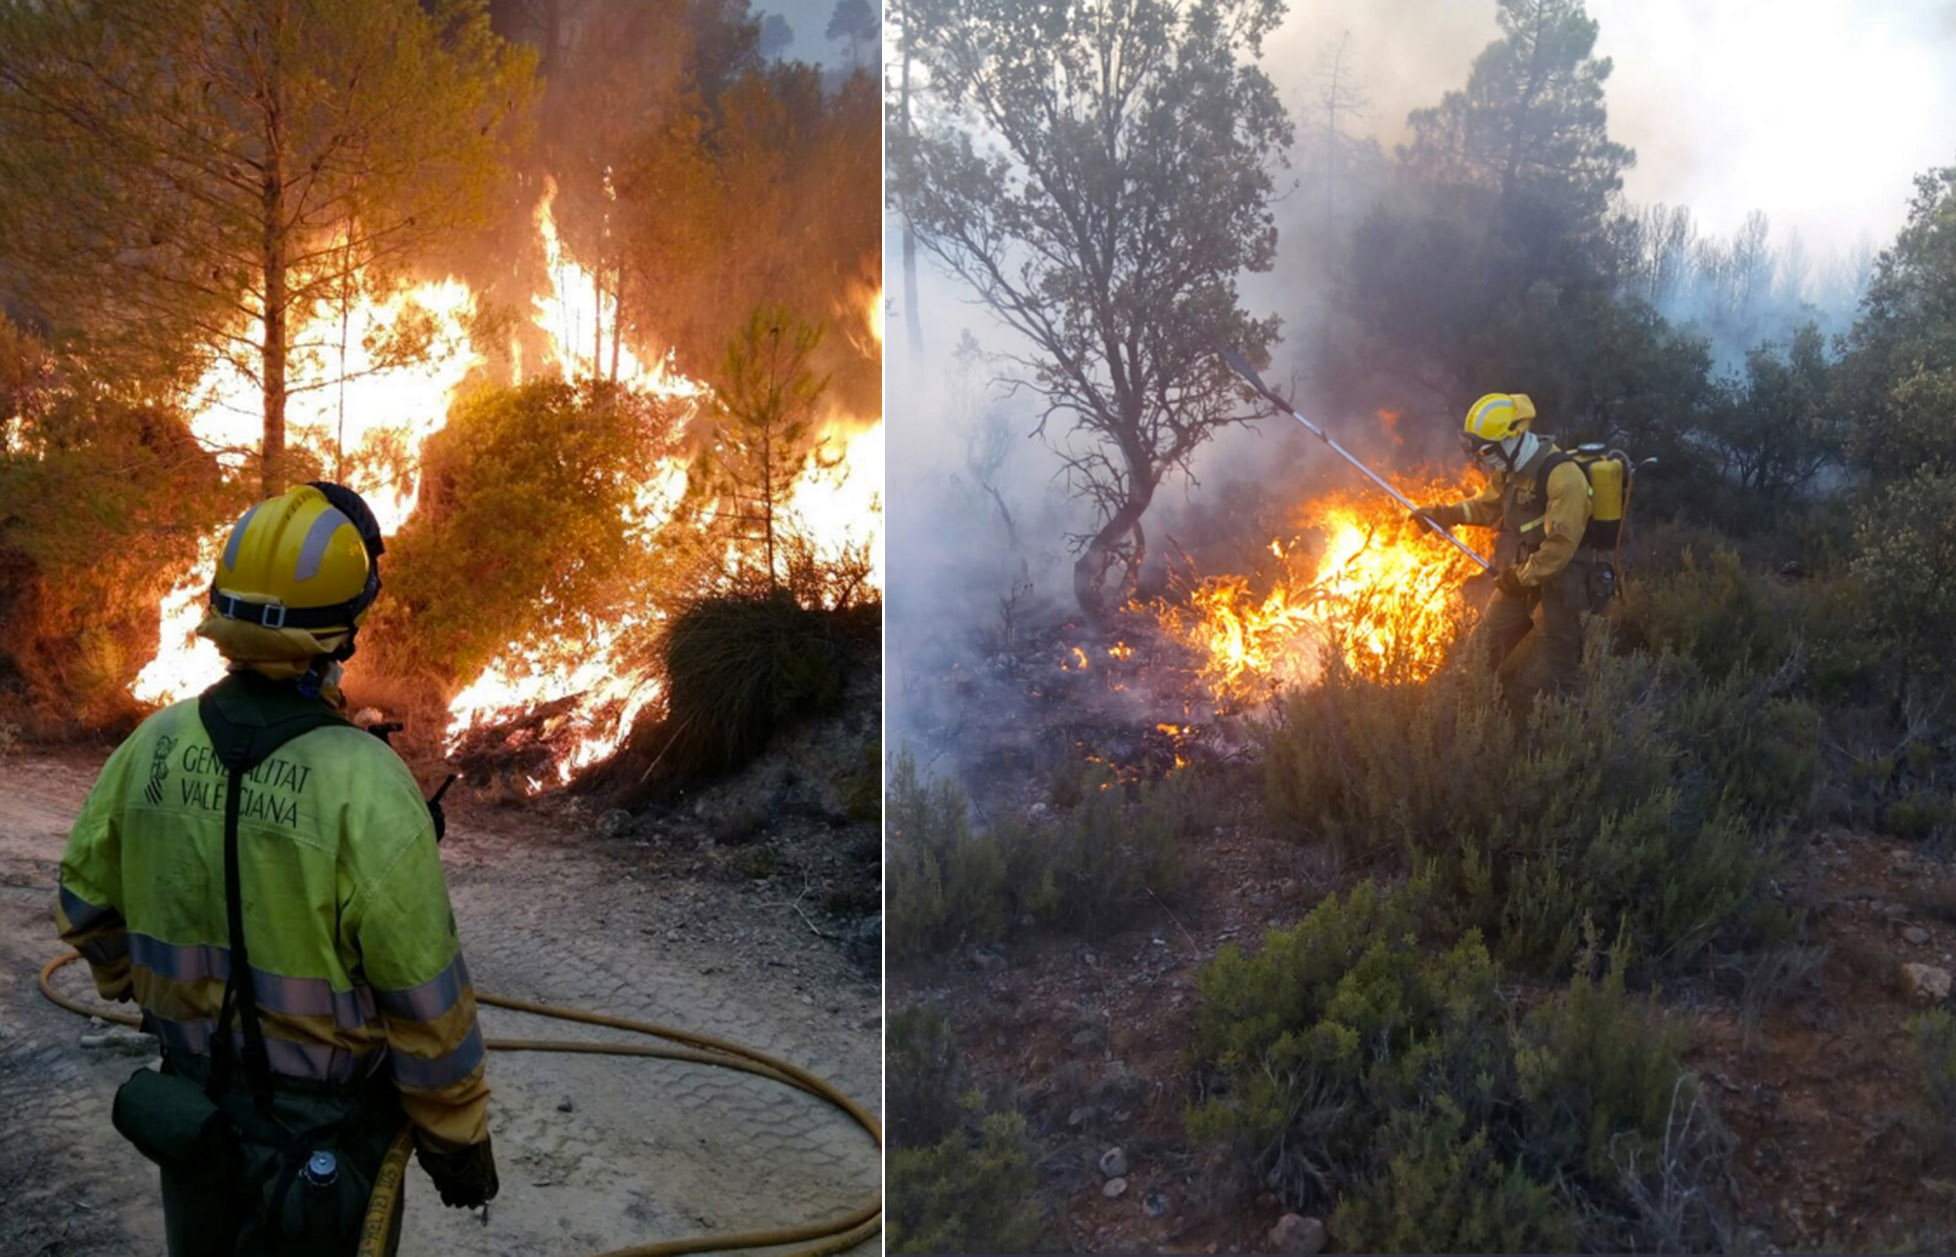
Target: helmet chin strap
<point>325,672</point>
<point>1518,449</point>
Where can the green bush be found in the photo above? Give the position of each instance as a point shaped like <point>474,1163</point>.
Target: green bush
<point>1728,618</point>
<point>1906,537</point>
<point>1715,613</point>
<point>1935,1038</point>
<point>965,1194</point>
<point>948,884</point>
<point>516,538</point>
<point>1646,798</point>
<point>925,1076</point>
<point>738,669</point>
<point>1443,1189</point>
<point>1089,871</point>
<point>102,502</point>
<point>1116,850</point>
<point>1898,769</point>
<point>1354,1067</point>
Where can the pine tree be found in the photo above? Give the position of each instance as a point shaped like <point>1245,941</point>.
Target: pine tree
<point>765,394</point>
<point>190,181</point>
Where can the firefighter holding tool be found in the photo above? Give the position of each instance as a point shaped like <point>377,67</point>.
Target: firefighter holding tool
<point>1546,555</point>
<point>261,877</point>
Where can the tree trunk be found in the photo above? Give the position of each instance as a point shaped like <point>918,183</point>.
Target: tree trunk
<point>597,319</point>
<point>1091,568</point>
<point>617,318</point>
<point>913,324</point>
<point>767,502</point>
<point>272,455</point>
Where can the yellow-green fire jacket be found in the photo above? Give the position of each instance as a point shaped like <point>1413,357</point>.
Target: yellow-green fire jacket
<point>354,957</point>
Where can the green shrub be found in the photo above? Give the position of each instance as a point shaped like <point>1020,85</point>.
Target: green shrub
<point>1337,1019</point>
<point>1901,780</point>
<point>1715,613</point>
<point>102,502</point>
<point>925,1077</point>
<point>1608,1110</point>
<point>1112,854</point>
<point>1092,870</point>
<point>1935,1038</point>
<point>741,667</point>
<point>1728,619</point>
<point>966,1195</point>
<point>1906,538</point>
<point>1351,1065</point>
<point>516,536</point>
<point>1644,798</point>
<point>947,883</point>
<point>1444,1190</point>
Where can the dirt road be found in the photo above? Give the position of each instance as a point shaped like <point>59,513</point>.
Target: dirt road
<point>594,1153</point>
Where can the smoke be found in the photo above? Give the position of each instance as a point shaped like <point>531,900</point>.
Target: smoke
<point>1821,119</point>
<point>1790,143</point>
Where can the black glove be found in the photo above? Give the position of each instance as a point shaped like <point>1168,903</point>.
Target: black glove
<point>1509,582</point>
<point>435,812</point>
<point>465,1178</point>
<point>1440,515</point>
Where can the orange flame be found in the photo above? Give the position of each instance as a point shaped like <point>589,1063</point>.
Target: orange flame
<point>389,414</point>
<point>1382,592</point>
<point>386,415</point>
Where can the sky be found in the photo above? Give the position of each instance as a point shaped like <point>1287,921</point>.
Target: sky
<point>1819,112</point>
<point>808,19</point>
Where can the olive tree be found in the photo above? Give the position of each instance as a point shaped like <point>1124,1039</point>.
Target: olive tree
<point>1099,172</point>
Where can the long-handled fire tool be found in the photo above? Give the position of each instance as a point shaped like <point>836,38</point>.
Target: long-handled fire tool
<point>1241,366</point>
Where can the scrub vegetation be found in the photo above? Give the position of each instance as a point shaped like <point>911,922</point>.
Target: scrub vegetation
<point>1458,978</point>
<point>1099,865</point>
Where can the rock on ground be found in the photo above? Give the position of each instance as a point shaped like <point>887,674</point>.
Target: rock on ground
<point>1295,1233</point>
<point>1927,984</point>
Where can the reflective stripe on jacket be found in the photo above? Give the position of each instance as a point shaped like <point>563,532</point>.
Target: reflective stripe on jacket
<point>1539,536</point>
<point>355,960</point>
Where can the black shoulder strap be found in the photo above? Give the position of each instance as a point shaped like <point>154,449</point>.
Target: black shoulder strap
<point>1555,459</point>
<point>247,720</point>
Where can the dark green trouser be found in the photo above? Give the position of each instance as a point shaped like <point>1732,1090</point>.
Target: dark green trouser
<point>1557,650</point>
<point>249,1216</point>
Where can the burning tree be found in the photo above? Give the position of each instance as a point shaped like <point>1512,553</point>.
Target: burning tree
<point>192,181</point>
<point>765,398</point>
<point>1099,174</point>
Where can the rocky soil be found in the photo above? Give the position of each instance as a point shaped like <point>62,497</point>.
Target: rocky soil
<point>655,917</point>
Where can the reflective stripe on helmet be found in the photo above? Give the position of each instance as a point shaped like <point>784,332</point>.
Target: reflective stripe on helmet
<point>1479,418</point>
<point>312,551</point>
<point>237,537</point>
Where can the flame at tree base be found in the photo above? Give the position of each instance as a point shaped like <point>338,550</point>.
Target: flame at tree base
<point>1381,592</point>
<point>350,398</point>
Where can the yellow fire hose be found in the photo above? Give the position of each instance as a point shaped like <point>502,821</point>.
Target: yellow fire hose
<point>828,1237</point>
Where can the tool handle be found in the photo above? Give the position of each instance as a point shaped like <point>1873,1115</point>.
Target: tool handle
<point>1241,366</point>
<point>1438,529</point>
<point>442,789</point>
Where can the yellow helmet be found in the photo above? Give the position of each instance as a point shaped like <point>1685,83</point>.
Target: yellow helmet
<point>303,560</point>
<point>1496,417</point>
